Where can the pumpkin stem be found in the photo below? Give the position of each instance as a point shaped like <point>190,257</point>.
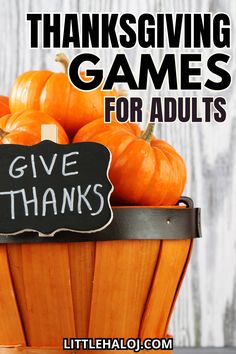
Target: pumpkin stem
<point>62,58</point>
<point>147,133</point>
<point>2,133</point>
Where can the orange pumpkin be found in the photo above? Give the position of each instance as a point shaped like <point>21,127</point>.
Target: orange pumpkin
<point>53,94</point>
<point>24,128</point>
<point>4,105</point>
<point>144,170</point>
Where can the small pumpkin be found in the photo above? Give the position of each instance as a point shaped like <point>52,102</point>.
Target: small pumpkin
<point>4,105</point>
<point>144,170</point>
<point>24,128</point>
<point>53,94</point>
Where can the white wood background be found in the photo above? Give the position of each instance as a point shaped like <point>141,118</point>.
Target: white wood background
<point>205,314</point>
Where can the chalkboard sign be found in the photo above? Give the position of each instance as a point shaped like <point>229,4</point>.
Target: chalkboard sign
<point>50,187</point>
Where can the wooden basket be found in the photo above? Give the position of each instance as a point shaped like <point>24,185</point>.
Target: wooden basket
<point>118,289</point>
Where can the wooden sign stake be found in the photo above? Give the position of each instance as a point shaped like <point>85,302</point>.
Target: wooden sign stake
<point>48,132</point>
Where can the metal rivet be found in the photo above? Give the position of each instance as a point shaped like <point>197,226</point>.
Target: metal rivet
<point>168,221</point>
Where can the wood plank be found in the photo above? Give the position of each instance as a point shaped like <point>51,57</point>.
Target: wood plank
<point>47,286</point>
<point>182,277</point>
<point>82,259</point>
<point>11,329</point>
<point>15,262</point>
<point>122,278</point>
<point>170,266</point>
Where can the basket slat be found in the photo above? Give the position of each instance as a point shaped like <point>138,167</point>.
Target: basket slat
<point>82,258</point>
<point>15,262</point>
<point>49,314</point>
<point>185,267</point>
<point>123,274</point>
<point>171,263</point>
<point>11,330</point>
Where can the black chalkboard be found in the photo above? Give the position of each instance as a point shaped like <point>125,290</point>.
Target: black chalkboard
<point>50,187</point>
